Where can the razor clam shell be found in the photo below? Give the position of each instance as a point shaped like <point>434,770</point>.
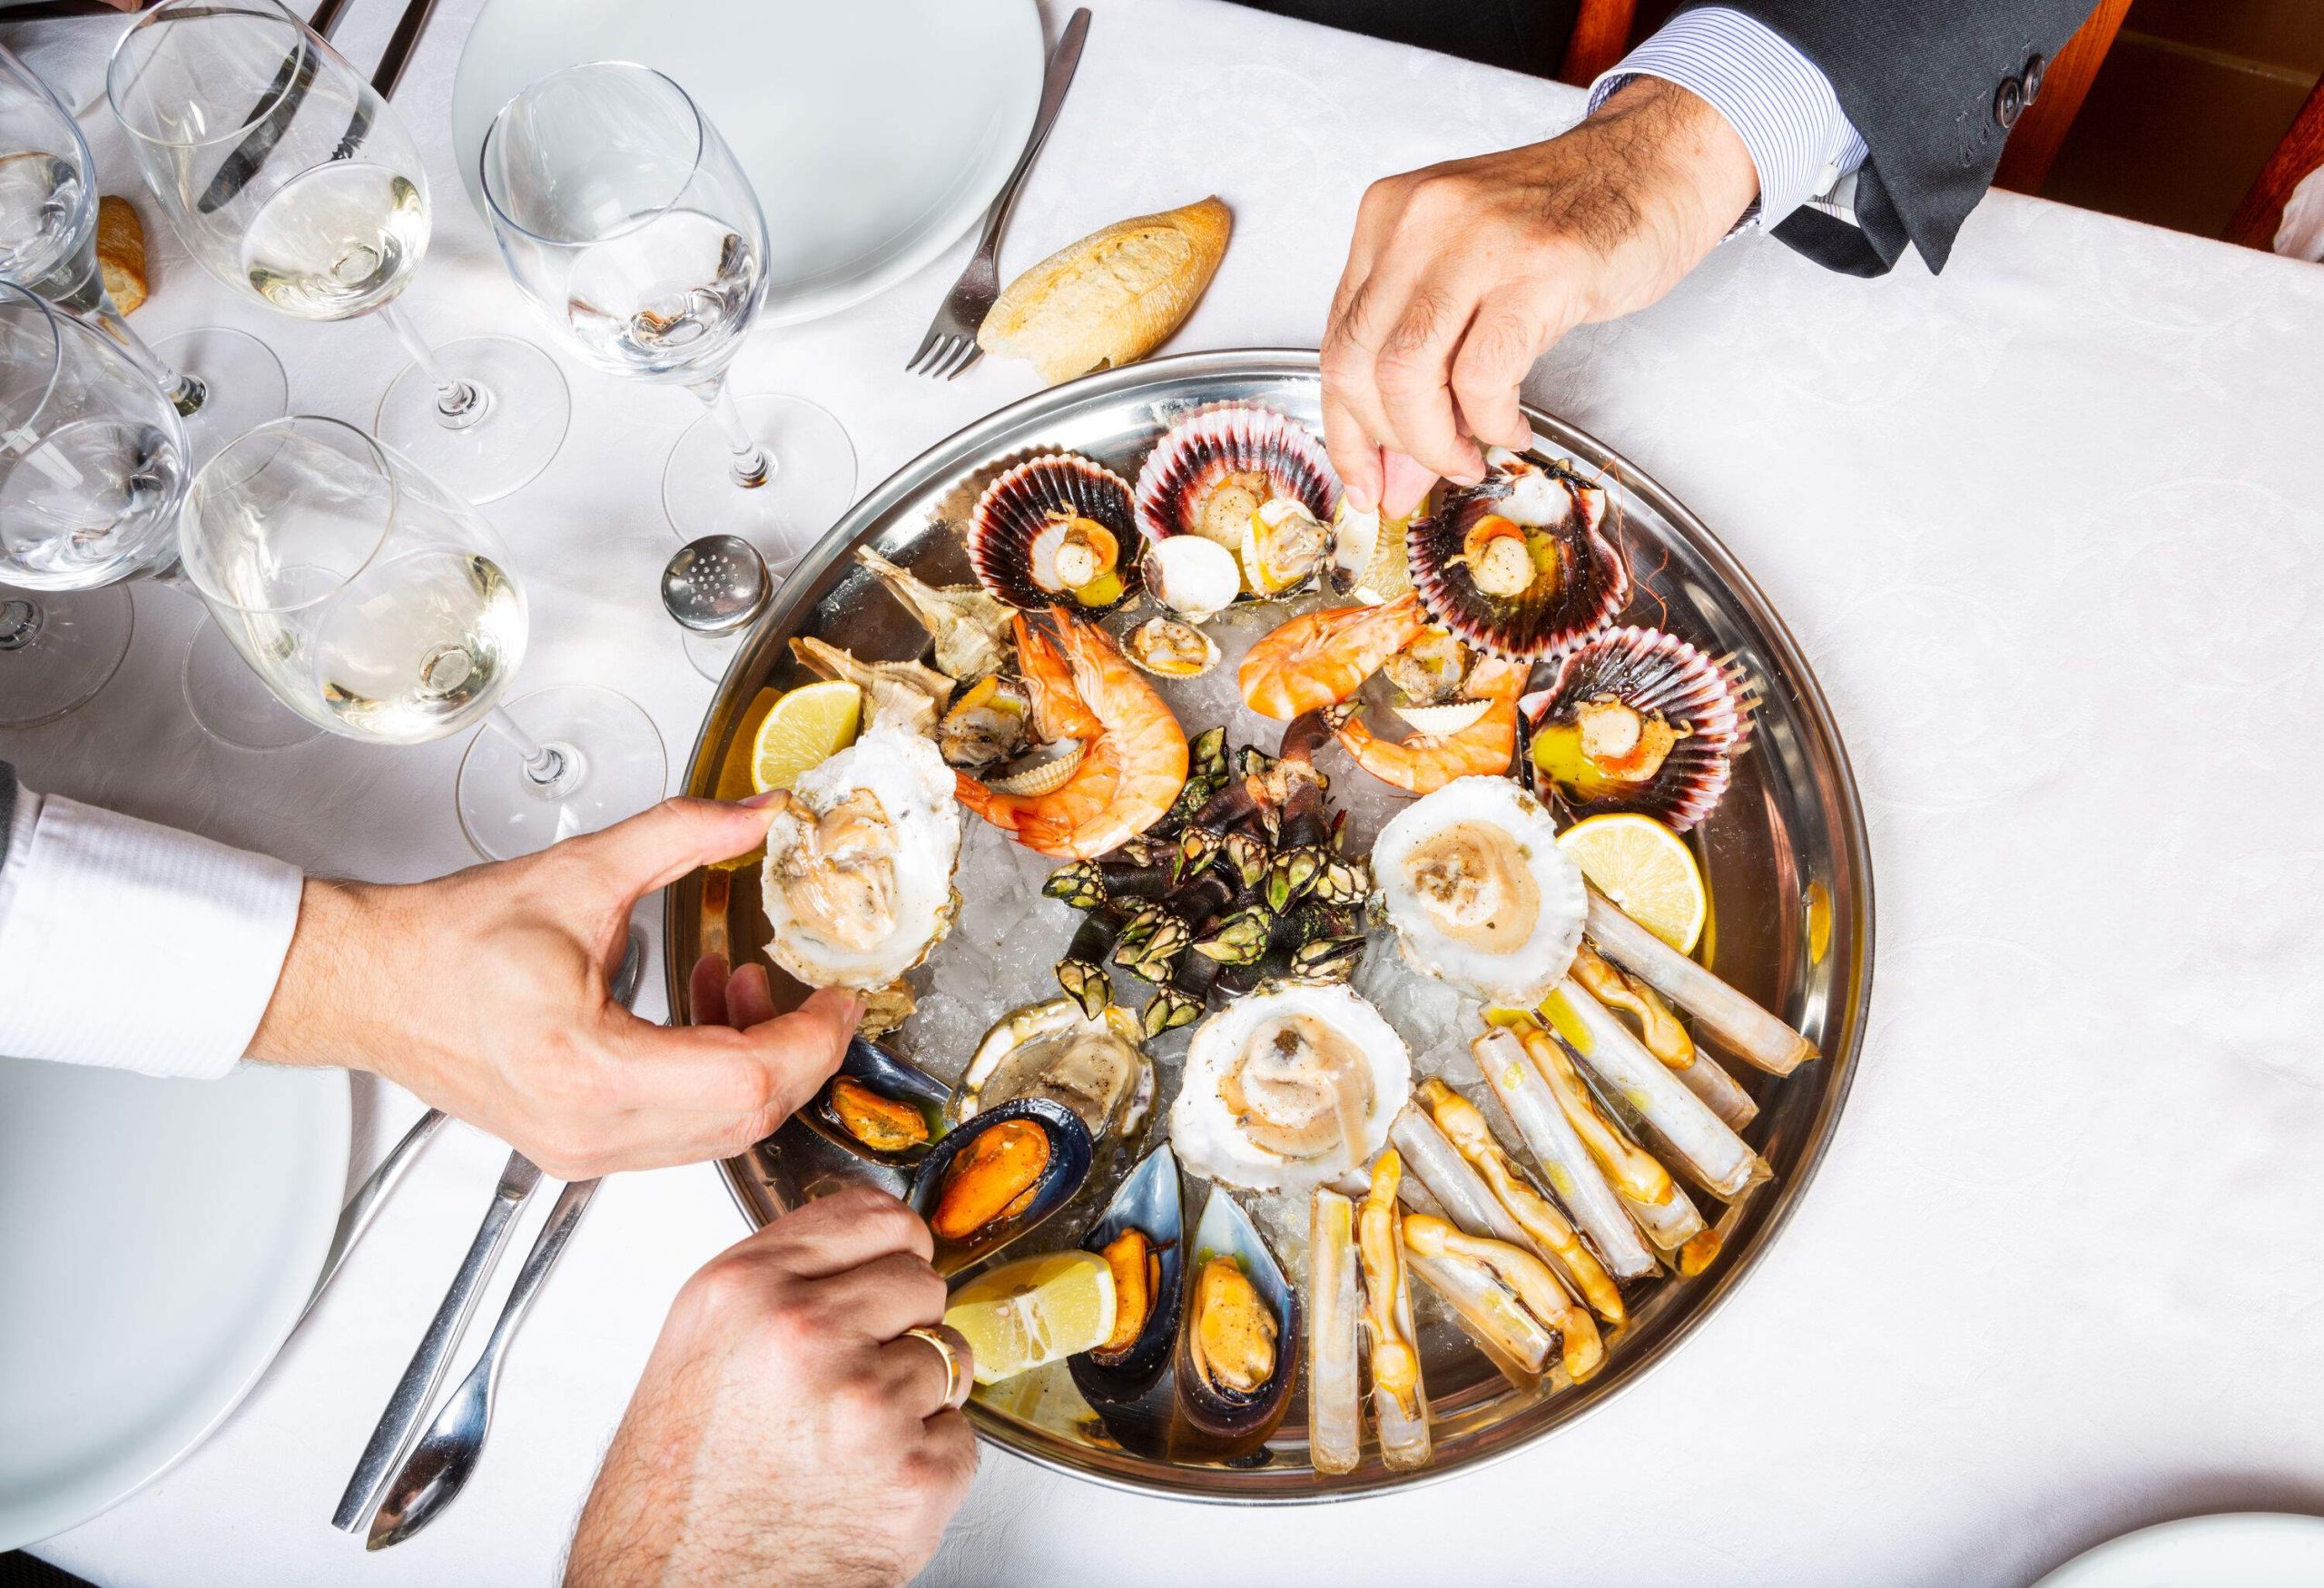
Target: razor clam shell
<point>1594,582</point>
<point>1404,1440</point>
<point>891,1076</point>
<point>1667,1225</point>
<point>1071,1152</point>
<point>1511,1339</point>
<point>1573,1174</point>
<point>1721,1093</point>
<point>1468,1200</point>
<point>1334,1401</point>
<point>1237,438</point>
<point>1711,1153</point>
<point>1209,1427</point>
<point>1017,506</point>
<point>1741,1026</point>
<point>1654,671</point>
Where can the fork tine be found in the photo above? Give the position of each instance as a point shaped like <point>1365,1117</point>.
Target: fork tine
<point>969,353</point>
<point>912,365</point>
<point>947,348</point>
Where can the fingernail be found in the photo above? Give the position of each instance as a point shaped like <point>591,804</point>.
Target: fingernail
<point>760,801</point>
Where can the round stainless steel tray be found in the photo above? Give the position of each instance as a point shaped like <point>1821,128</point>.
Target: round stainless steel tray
<point>1785,854</point>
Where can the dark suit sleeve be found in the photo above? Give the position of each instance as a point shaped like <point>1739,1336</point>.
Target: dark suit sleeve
<point>1919,79</point>
<point>7,807</point>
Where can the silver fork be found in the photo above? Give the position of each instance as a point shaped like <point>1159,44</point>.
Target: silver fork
<point>951,344</point>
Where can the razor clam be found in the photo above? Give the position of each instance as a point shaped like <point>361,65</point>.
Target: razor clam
<point>1572,1173</point>
<point>1128,1384</point>
<point>1237,1355</point>
<point>1701,1141</point>
<point>1749,1031</point>
<point>1665,1038</point>
<point>1523,1278</point>
<point>986,1183</point>
<point>970,629</point>
<point>1335,1403</point>
<point>1399,1395</point>
<point>1096,1065</point>
<point>880,1106</point>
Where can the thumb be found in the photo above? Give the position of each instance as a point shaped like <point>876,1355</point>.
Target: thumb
<point>802,1049</point>
<point>1406,483</point>
<point>657,847</point>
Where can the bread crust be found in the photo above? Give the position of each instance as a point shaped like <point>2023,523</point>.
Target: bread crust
<point>121,251</point>
<point>1112,297</point>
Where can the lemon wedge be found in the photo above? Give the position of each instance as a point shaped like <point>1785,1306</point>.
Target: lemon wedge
<point>1034,1311</point>
<point>1645,868</point>
<point>806,727</point>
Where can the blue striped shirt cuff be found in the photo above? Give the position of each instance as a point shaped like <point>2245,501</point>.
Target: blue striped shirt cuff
<point>1777,101</point>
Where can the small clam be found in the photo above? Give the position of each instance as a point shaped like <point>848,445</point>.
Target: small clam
<point>1168,648</point>
<point>880,1106</point>
<point>1096,1067</point>
<point>1055,529</point>
<point>1238,1358</point>
<point>1194,578</point>
<point>992,719</point>
<point>1637,720</point>
<point>998,1175</point>
<point>1040,771</point>
<point>1141,1235</point>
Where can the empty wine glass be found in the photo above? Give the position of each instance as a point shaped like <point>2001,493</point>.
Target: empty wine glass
<point>291,181</point>
<point>626,221</point>
<point>376,602</point>
<point>220,381</point>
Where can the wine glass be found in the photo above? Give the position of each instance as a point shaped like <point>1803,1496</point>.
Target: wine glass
<point>291,181</point>
<point>375,601</point>
<point>626,221</point>
<point>92,465</point>
<point>220,381</point>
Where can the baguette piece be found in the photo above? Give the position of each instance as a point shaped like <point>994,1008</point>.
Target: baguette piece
<point>121,251</point>
<point>1112,297</point>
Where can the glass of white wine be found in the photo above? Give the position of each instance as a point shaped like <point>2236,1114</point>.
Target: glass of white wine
<point>293,181</point>
<point>220,381</point>
<point>628,222</point>
<point>375,601</point>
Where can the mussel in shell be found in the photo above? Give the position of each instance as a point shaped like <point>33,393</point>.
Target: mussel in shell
<point>1219,473</point>
<point>1055,530</point>
<point>1520,565</point>
<point>993,1178</point>
<point>1237,1355</point>
<point>880,1106</point>
<point>1638,720</point>
<point>1093,1065</point>
<point>1142,1237</point>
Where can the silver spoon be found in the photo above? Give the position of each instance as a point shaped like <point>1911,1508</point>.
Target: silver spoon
<point>715,588</point>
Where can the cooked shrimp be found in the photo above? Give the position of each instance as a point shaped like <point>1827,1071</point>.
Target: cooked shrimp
<point>1425,762</point>
<point>1058,712</point>
<point>1323,657</point>
<point>1134,760</point>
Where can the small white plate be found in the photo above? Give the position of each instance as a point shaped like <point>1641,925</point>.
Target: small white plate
<point>875,130</point>
<point>2246,1549</point>
<point>158,1239</point>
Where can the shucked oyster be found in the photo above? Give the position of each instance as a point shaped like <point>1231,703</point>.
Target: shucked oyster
<point>1479,892</point>
<point>858,879</point>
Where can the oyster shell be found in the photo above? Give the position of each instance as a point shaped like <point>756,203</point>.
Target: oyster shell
<point>1168,648</point>
<point>1096,1066</point>
<point>1214,471</point>
<point>994,1179</point>
<point>1055,530</point>
<point>1638,720</point>
<point>1519,564</point>
<point>1288,1088</point>
<point>1479,892</point>
<point>858,878</point>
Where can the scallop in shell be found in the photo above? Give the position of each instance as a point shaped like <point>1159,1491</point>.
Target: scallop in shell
<point>858,878</point>
<point>1637,720</point>
<point>1479,892</point>
<point>1214,471</point>
<point>1520,565</point>
<point>1055,530</point>
<point>1168,648</point>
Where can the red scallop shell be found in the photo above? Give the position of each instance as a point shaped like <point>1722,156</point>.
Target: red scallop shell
<point>1230,438</point>
<point>1655,672</point>
<point>1594,587</point>
<point>1018,505</point>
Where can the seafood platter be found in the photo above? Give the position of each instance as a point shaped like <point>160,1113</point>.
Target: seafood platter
<point>1211,855</point>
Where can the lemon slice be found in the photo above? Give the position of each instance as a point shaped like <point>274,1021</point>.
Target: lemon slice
<point>1646,869</point>
<point>1034,1311</point>
<point>807,727</point>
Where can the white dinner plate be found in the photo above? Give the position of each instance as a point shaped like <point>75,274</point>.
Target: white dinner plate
<point>2246,1549</point>
<point>875,130</point>
<point>158,1239</point>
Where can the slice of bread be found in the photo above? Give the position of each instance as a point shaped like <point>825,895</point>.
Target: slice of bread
<point>121,251</point>
<point>1112,297</point>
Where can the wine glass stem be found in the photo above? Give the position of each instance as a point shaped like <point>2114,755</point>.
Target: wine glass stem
<point>753,465</point>
<point>545,767</point>
<point>186,393</point>
<point>459,403</point>
<point>19,623</point>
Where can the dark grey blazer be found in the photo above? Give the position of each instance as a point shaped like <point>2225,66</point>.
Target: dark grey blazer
<point>1934,85</point>
<point>8,807</point>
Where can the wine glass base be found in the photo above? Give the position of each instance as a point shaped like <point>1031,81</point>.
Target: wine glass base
<point>614,768</point>
<point>232,703</point>
<point>528,407</point>
<point>813,483</point>
<point>244,386</point>
<point>48,670</point>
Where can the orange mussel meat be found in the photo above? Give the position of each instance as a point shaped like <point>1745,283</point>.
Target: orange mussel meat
<point>879,1122</point>
<point>995,1176</point>
<point>1137,1276</point>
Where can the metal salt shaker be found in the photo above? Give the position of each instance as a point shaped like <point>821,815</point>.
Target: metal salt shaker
<point>715,588</point>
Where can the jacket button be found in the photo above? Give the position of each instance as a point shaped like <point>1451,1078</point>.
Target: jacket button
<point>2009,102</point>
<point>2036,65</point>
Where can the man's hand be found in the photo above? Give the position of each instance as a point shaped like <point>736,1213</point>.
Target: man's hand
<point>1461,275</point>
<point>783,1433</point>
<point>486,993</point>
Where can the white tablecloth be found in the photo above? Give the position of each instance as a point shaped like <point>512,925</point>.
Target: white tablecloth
<point>2052,529</point>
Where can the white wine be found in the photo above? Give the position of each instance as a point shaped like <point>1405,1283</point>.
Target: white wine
<point>337,240</point>
<point>418,646</point>
<point>668,300</point>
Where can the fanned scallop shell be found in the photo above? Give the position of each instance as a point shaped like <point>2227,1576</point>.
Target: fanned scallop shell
<point>1022,502</point>
<point>1593,583</point>
<point>1654,671</point>
<point>1448,717</point>
<point>1230,438</point>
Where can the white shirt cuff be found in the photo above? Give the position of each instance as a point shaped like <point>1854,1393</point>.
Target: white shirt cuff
<point>1778,102</point>
<point>134,946</point>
